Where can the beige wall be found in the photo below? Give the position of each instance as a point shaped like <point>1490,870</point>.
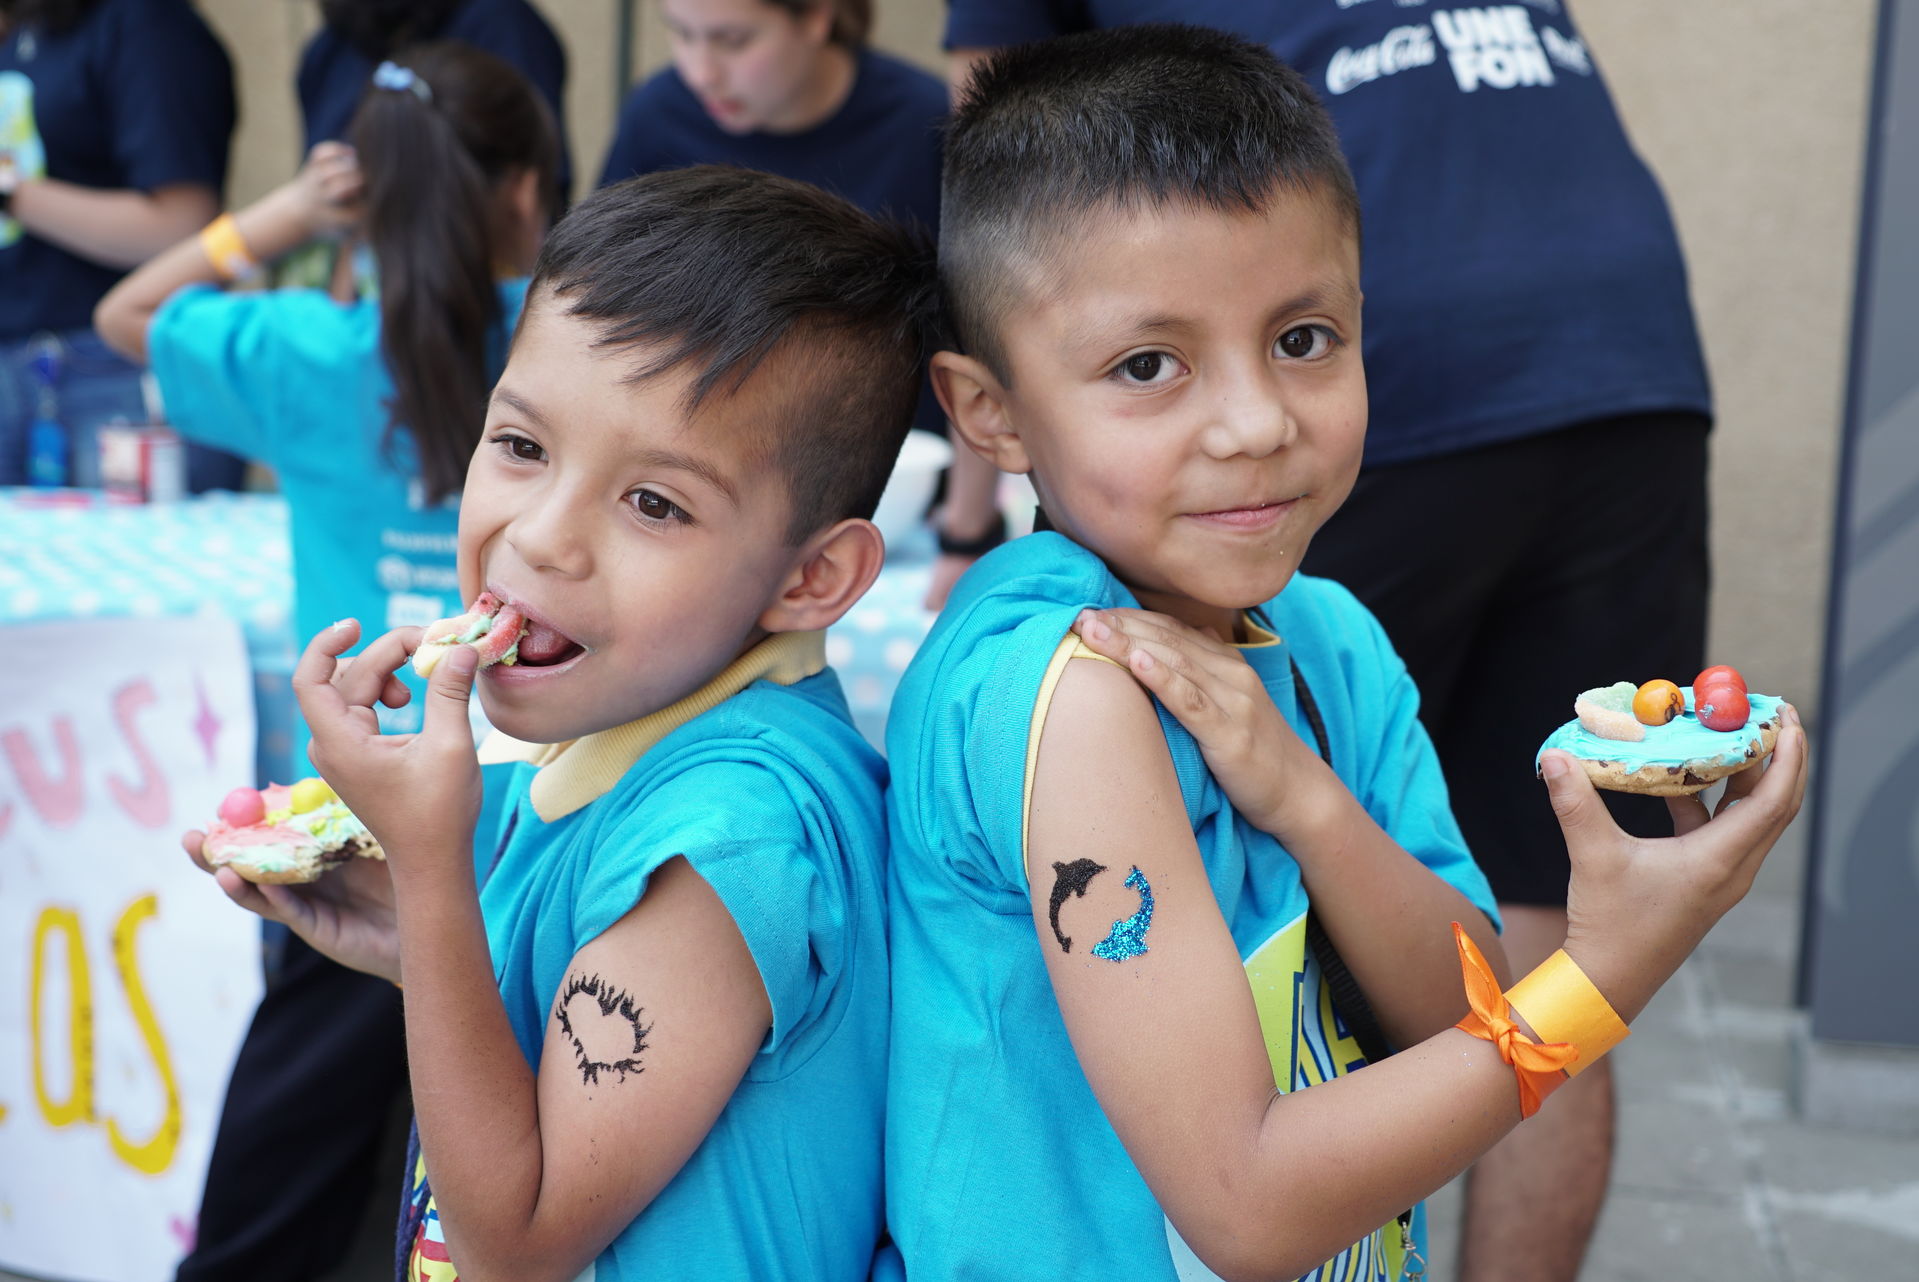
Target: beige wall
<point>1751,111</point>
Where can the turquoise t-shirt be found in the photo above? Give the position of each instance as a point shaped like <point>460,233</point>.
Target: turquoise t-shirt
<point>297,381</point>
<point>990,1175</point>
<point>777,801</point>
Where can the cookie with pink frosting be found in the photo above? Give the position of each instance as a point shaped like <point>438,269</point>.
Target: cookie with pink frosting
<point>286,835</point>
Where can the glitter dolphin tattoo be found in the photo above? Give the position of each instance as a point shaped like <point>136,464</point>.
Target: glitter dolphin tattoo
<point>1069,879</point>
<point>613,1003</point>
<point>1128,938</point>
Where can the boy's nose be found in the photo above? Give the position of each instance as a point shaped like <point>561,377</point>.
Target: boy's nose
<point>549,536</point>
<point>1250,420</point>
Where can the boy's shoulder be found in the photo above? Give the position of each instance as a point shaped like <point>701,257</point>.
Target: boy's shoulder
<point>1010,611</point>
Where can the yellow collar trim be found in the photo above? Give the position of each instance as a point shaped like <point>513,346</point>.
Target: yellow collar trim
<point>580,771</point>
<point>1257,638</point>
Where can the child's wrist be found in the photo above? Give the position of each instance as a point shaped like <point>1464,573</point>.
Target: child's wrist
<point>1311,812</point>
<point>1623,984</point>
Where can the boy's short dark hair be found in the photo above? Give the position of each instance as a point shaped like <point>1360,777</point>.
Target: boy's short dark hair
<point>1142,115</point>
<point>719,268</point>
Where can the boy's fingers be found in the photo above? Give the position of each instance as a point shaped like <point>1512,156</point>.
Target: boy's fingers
<point>448,693</point>
<point>1576,802</point>
<point>313,674</point>
<point>245,893</point>
<point>371,671</point>
<point>1688,814</point>
<point>1147,625</point>
<point>396,693</point>
<point>194,842</point>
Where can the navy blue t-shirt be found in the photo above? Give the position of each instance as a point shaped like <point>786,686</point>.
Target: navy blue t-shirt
<point>138,95</point>
<point>1521,269</point>
<point>333,74</point>
<point>880,150</point>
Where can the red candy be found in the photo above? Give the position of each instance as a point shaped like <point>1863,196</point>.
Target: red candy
<point>243,808</point>
<point>1718,673</point>
<point>1721,705</point>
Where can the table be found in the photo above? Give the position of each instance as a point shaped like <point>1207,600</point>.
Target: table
<point>75,554</point>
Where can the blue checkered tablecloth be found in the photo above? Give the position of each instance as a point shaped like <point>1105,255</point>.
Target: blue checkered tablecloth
<point>74,555</point>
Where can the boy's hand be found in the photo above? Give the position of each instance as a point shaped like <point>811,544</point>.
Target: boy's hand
<point>418,793</point>
<point>1258,759</point>
<point>347,914</point>
<point>1637,906</point>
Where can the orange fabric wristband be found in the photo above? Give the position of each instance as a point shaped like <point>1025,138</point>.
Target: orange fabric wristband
<point>1539,1067</point>
<point>226,250</point>
<point>1563,1006</point>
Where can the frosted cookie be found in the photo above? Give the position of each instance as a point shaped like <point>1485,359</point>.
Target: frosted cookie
<point>286,835</point>
<point>491,627</point>
<point>1623,751</point>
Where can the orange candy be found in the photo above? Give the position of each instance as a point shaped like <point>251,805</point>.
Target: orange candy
<point>1657,702</point>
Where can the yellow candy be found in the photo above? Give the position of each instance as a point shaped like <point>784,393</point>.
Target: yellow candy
<point>311,794</point>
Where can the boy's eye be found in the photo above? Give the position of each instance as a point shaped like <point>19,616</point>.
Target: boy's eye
<point>656,508</point>
<point>1148,367</point>
<point>520,447</point>
<point>1305,342</point>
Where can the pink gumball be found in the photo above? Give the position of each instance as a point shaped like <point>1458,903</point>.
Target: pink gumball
<point>243,808</point>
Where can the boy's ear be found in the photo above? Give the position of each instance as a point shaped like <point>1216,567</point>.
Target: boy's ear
<point>833,570</point>
<point>975,404</point>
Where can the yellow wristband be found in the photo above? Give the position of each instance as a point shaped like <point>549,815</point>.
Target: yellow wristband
<point>1563,1006</point>
<point>226,250</point>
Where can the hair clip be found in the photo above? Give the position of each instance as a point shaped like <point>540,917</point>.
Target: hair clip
<point>391,75</point>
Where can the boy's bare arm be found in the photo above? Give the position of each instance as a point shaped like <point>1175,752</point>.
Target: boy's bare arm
<point>1169,1038</point>
<point>1387,912</point>
<point>656,1021</point>
<point>654,1025</point>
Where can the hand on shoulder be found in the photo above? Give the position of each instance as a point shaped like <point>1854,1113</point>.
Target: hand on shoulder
<point>1268,772</point>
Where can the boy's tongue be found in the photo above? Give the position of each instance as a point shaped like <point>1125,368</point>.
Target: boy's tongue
<point>542,644</point>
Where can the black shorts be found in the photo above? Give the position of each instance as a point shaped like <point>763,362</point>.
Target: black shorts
<point>1511,578</point>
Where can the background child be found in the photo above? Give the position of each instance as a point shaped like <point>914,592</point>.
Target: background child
<point>367,411</point>
<point>1102,905</point>
<point>115,117</point>
<point>678,1070</point>
<point>790,87</point>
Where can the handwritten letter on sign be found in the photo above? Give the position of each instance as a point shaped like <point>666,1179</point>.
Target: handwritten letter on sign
<point>126,978</point>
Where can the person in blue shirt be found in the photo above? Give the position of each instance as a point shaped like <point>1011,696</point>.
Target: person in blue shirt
<point>648,1034</point>
<point>358,35</point>
<point>366,410</point>
<point>1169,847</point>
<point>115,119</point>
<point>790,87</point>
<point>1530,347</point>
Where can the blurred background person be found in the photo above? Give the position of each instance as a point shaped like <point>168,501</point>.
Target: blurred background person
<point>358,35</point>
<point>1529,345</point>
<point>368,410</point>
<point>115,120</point>
<point>792,88</point>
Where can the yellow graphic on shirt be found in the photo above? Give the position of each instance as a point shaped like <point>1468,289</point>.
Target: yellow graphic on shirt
<point>21,150</point>
<point>1307,1044</point>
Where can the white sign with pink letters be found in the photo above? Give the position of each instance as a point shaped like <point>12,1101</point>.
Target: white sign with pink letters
<point>126,978</point>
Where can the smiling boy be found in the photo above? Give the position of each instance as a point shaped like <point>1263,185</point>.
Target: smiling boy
<point>647,1038</point>
<point>1147,782</point>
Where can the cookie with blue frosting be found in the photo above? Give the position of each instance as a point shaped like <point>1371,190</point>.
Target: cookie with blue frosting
<point>1676,759</point>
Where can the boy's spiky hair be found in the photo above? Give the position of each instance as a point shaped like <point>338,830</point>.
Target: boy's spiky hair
<point>719,269</point>
<point>1132,116</point>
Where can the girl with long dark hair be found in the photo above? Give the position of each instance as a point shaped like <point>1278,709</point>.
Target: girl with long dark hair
<point>368,411</point>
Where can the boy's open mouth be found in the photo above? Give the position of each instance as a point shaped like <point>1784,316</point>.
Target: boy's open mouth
<point>543,646</point>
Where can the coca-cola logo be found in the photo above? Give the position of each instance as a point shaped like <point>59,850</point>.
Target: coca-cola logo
<point>1402,48</point>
